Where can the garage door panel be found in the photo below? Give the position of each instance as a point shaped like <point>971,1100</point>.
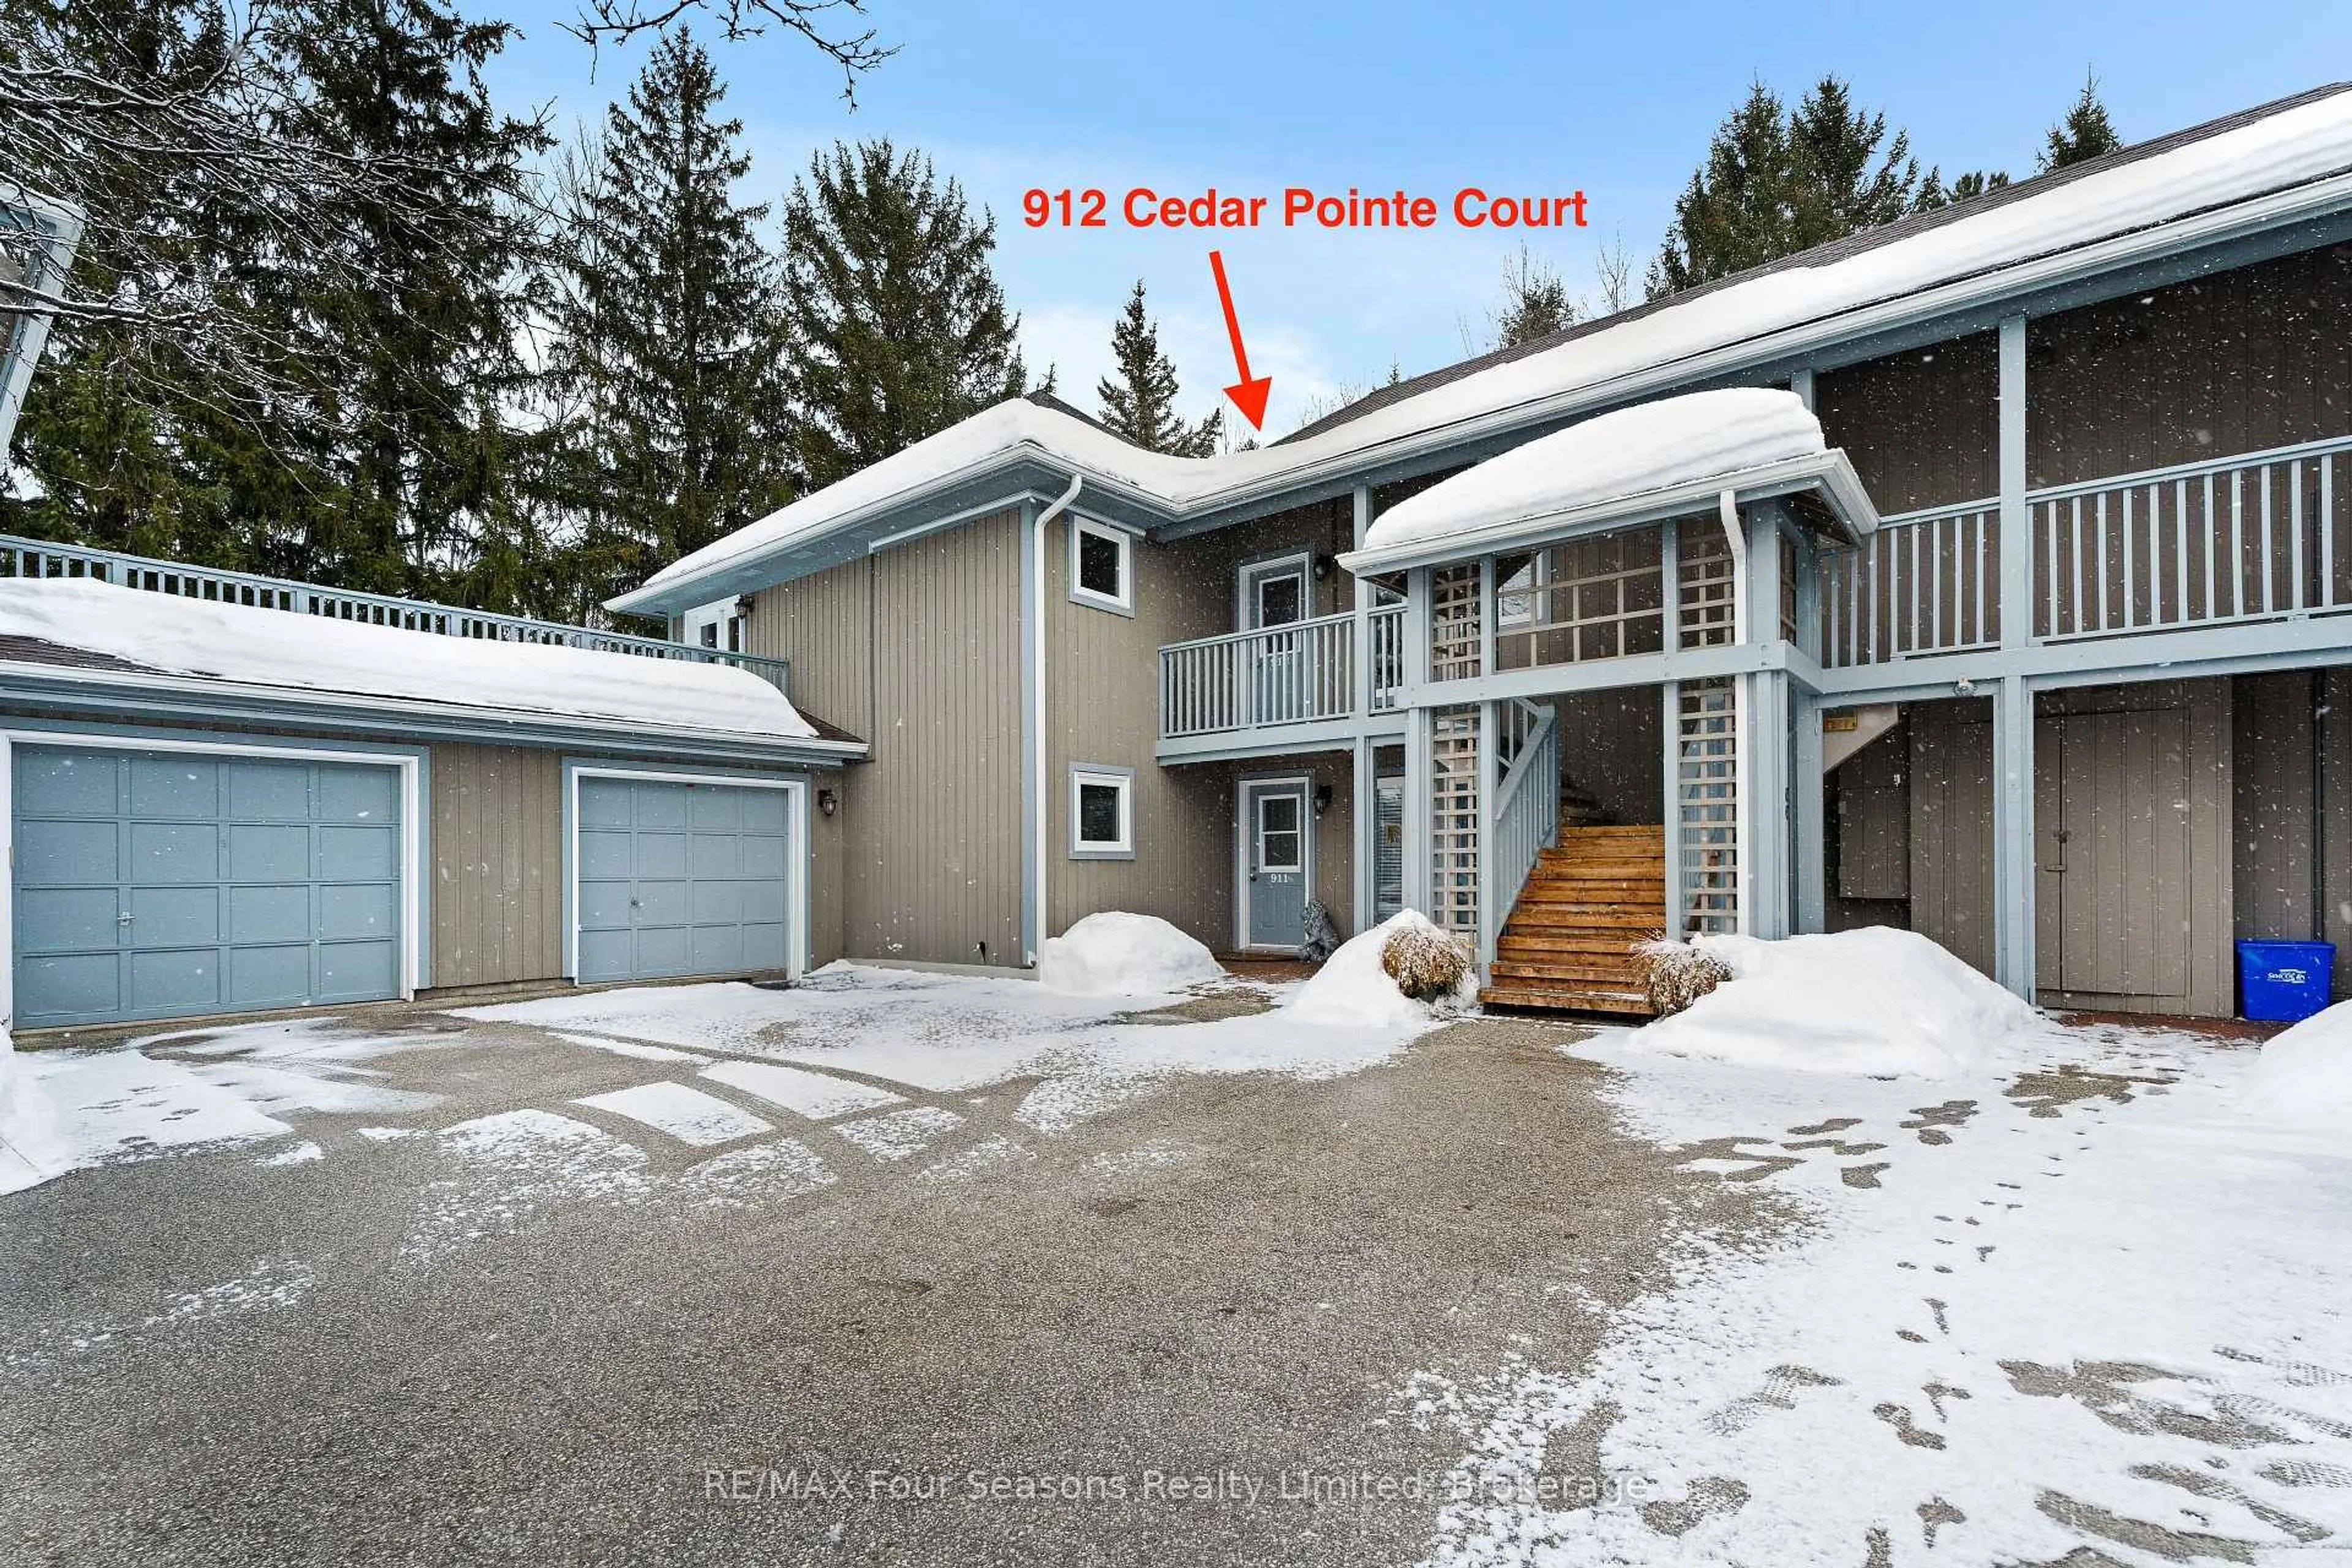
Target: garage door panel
<point>664,950</point>
<point>661,805</point>
<point>605,906</point>
<point>270,976</point>
<point>263,791</point>
<point>362,909</point>
<point>762,858</point>
<point>763,946</point>
<point>265,913</point>
<point>718,903</point>
<point>358,795</point>
<point>606,955</point>
<point>269,852</point>
<point>763,901</point>
<point>606,802</point>
<point>218,860</point>
<point>86,984</point>
<point>353,970</point>
<point>67,784</point>
<point>763,811</point>
<point>664,903</point>
<point>174,787</point>
<point>717,950</point>
<point>714,810</point>
<point>52,853</point>
<point>712,857</point>
<point>173,917</point>
<point>184,980</point>
<point>64,920</point>
<point>166,852</point>
<point>349,853</point>
<point>606,853</point>
<point>660,854</point>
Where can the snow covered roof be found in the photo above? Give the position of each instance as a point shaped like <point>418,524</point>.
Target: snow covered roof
<point>2155,199</point>
<point>1650,461</point>
<point>115,628</point>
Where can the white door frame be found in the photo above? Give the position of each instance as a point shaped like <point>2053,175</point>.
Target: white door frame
<point>796,853</point>
<point>1246,579</point>
<point>1246,832</point>
<point>411,827</point>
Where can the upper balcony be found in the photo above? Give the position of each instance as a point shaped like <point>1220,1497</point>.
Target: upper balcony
<point>1301,682</point>
<point>38,558</point>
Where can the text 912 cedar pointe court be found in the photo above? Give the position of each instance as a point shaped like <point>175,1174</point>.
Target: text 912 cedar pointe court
<point>1299,207</point>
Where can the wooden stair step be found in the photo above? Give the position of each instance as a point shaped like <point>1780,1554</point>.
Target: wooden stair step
<point>1604,975</point>
<point>1538,940</point>
<point>1629,927</point>
<point>1568,999</point>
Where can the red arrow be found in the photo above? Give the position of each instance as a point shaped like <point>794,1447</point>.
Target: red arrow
<point>1249,393</point>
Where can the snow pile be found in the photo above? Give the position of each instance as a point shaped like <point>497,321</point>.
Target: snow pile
<point>280,647</point>
<point>1118,955</point>
<point>2305,1074</point>
<point>1617,457</point>
<point>32,1147</point>
<point>1354,989</point>
<point>1877,1001</point>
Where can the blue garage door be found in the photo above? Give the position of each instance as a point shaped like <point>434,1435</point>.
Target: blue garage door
<point>680,879</point>
<point>162,884</point>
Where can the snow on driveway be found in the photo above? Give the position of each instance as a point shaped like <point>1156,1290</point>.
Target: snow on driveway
<point>2078,1304</point>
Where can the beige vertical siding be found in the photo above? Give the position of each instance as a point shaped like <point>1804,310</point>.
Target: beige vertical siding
<point>498,865</point>
<point>917,651</point>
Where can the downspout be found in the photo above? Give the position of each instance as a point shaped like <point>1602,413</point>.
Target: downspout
<point>1742,706</point>
<point>2319,715</point>
<point>1038,796</point>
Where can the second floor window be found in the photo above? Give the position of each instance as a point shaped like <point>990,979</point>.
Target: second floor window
<point>1101,565</point>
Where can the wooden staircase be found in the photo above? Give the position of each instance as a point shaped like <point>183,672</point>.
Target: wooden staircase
<point>1568,946</point>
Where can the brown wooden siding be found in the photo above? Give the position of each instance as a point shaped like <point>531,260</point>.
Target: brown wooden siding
<point>2293,808</point>
<point>1922,427</point>
<point>2245,360</point>
<point>1950,863</point>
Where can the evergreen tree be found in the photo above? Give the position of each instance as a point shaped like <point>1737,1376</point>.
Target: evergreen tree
<point>1535,302</point>
<point>664,375</point>
<point>1778,181</point>
<point>1140,402</point>
<point>894,326</point>
<point>1933,193</point>
<point>2086,133</point>
<point>417,331</point>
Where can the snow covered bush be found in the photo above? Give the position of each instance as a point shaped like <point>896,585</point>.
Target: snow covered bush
<point>1677,975</point>
<point>1118,955</point>
<point>1878,1001</point>
<point>2304,1073</point>
<point>32,1147</point>
<point>1359,985</point>
<point>1322,937</point>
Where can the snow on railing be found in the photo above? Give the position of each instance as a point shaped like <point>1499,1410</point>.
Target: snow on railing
<point>22,557</point>
<point>1276,675</point>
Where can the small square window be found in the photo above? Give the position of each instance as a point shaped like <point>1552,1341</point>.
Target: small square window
<point>1102,813</point>
<point>1101,565</point>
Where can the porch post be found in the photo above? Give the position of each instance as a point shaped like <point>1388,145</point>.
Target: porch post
<point>1367,830</point>
<point>2016,520</point>
<point>1487,755</point>
<point>1764,742</point>
<point>1360,596</point>
<point>2013,835</point>
<point>1416,743</point>
<point>1677,918</point>
<point>1806,782</point>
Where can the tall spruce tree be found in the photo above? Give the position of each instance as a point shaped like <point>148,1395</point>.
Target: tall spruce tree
<point>417,334</point>
<point>1140,400</point>
<point>663,376</point>
<point>894,326</point>
<point>1778,181</point>
<point>2085,133</point>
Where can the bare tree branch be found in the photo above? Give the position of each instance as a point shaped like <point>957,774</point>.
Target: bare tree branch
<point>618,21</point>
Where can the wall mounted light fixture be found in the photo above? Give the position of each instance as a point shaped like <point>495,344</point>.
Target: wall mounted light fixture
<point>1322,799</point>
<point>827,802</point>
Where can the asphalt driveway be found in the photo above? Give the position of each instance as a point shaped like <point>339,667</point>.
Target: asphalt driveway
<point>870,1307</point>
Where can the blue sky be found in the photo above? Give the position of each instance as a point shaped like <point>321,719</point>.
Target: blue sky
<point>1618,101</point>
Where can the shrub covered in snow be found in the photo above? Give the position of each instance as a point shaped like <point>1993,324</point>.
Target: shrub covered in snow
<point>32,1147</point>
<point>1876,1001</point>
<point>1322,938</point>
<point>1357,984</point>
<point>2306,1073</point>
<point>1677,975</point>
<point>1118,955</point>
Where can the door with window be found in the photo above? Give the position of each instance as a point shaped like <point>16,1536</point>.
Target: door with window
<point>1274,596</point>
<point>1274,823</point>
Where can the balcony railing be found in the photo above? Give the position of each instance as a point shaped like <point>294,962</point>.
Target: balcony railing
<point>2253,537</point>
<point>38,558</point>
<point>1294,673</point>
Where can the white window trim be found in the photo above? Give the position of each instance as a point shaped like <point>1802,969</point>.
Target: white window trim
<point>1123,602</point>
<point>1245,830</point>
<point>1251,573</point>
<point>1120,779</point>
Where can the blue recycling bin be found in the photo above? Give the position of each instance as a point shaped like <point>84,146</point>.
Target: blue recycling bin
<point>2282,982</point>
